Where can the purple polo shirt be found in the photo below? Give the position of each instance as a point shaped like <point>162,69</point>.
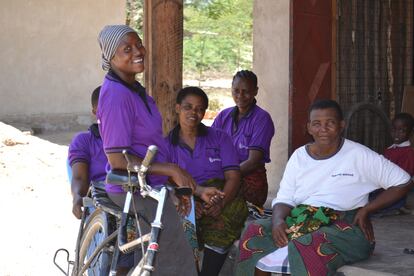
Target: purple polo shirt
<point>254,130</point>
<point>126,121</point>
<point>213,154</point>
<point>86,147</point>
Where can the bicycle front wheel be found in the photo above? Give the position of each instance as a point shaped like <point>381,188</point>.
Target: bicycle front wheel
<point>96,230</point>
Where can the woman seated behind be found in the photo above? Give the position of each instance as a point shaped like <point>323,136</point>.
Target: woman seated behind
<point>321,212</point>
<point>209,156</point>
<point>251,129</point>
<point>87,160</point>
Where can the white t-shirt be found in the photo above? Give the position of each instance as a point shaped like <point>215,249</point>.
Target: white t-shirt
<point>342,182</point>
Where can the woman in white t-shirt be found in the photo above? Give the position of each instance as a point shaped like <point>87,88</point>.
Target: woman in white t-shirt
<point>321,212</point>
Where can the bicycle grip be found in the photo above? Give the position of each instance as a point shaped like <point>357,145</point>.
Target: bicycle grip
<point>149,156</point>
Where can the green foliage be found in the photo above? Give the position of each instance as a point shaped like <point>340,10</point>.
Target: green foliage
<point>135,15</point>
<point>214,105</point>
<point>217,36</point>
<point>197,4</point>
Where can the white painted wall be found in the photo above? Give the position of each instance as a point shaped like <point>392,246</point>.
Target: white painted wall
<point>271,64</point>
<point>51,59</point>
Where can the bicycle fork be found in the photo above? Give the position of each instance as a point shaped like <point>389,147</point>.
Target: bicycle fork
<point>156,227</point>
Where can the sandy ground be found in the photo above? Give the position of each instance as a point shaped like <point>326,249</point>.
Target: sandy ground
<point>35,204</point>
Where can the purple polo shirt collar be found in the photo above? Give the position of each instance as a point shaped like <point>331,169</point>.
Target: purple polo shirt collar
<point>136,87</point>
<point>94,129</point>
<point>253,131</point>
<point>213,154</point>
<point>174,135</point>
<point>86,147</point>
<point>235,114</point>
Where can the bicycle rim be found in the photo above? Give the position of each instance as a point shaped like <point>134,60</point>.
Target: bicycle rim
<point>96,231</point>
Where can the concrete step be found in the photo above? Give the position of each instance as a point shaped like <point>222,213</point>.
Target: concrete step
<point>349,270</point>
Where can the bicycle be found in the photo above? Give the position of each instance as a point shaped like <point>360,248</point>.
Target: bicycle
<point>100,239</point>
<point>368,124</point>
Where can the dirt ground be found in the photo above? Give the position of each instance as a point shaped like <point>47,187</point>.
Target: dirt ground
<point>35,204</point>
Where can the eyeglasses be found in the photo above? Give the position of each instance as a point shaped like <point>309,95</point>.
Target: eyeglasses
<point>189,107</point>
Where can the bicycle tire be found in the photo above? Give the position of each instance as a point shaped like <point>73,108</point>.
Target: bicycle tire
<point>96,230</point>
<point>369,107</point>
<point>379,116</point>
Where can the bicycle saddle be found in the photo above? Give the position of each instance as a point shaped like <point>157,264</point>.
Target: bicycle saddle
<point>120,177</point>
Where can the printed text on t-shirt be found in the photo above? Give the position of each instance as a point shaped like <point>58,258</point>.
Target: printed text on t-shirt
<point>214,159</point>
<point>342,174</point>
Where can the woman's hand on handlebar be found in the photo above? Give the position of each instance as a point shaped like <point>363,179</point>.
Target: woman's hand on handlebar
<point>184,205</point>
<point>182,178</point>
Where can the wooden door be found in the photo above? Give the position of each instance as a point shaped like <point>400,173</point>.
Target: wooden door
<point>311,60</point>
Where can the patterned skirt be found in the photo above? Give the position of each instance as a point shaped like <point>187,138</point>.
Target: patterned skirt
<point>320,252</point>
<point>221,232</point>
<point>254,187</point>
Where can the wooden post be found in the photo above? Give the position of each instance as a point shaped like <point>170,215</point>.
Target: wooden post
<point>163,38</point>
<point>334,92</point>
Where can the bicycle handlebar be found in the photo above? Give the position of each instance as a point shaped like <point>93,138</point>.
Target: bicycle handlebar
<point>149,157</point>
<point>146,162</point>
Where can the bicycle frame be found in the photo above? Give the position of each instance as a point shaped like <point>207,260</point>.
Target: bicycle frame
<point>130,185</point>
<point>156,227</point>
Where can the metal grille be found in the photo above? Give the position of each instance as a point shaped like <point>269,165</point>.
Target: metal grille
<point>374,63</point>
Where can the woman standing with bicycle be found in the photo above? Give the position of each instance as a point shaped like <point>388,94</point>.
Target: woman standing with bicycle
<point>129,120</point>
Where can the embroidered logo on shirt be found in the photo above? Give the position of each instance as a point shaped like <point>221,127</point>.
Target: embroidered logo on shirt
<point>214,159</point>
<point>342,174</point>
<point>241,146</point>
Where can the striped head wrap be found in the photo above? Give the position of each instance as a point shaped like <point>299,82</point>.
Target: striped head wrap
<point>109,39</point>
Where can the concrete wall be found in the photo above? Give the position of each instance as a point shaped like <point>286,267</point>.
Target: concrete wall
<point>271,64</point>
<point>51,59</point>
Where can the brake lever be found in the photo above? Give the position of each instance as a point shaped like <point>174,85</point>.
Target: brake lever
<point>183,191</point>
<point>130,167</point>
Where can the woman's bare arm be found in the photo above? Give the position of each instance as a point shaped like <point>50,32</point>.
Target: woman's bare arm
<point>79,186</point>
<point>254,161</point>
